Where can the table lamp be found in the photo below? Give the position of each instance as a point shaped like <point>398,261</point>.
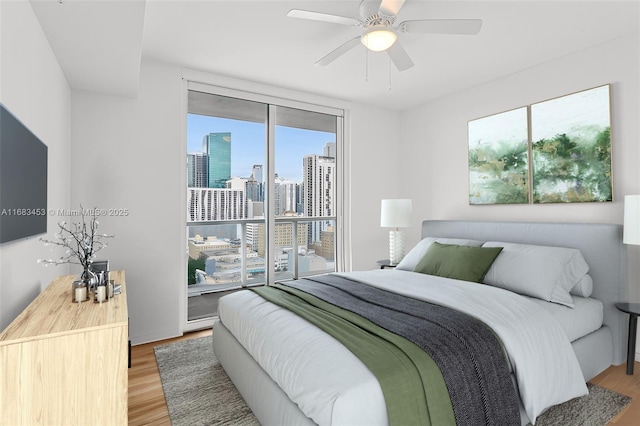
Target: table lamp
<point>395,214</point>
<point>631,220</point>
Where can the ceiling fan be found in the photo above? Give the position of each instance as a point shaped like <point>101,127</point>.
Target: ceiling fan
<point>380,34</point>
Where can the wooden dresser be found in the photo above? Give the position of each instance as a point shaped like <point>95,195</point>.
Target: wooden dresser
<point>64,363</point>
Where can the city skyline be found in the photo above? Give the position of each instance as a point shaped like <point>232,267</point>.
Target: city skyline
<point>248,149</point>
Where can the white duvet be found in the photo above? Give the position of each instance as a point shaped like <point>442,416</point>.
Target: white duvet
<point>329,384</point>
<point>292,352</point>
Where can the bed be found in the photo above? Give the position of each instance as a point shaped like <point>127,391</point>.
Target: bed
<point>301,375</point>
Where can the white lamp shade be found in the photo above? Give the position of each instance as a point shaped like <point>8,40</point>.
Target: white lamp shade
<point>395,213</point>
<point>631,219</point>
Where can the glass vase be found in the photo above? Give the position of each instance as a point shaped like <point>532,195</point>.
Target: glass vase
<point>101,291</point>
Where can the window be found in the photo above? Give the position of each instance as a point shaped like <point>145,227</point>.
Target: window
<point>261,193</point>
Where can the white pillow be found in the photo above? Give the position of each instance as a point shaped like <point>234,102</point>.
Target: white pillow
<point>547,273</point>
<point>584,288</point>
<point>411,259</point>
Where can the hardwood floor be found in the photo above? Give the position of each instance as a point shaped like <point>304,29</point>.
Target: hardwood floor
<point>148,407</point>
<point>146,398</point>
<point>616,379</point>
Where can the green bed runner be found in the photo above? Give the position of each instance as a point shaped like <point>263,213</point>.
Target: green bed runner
<point>414,389</point>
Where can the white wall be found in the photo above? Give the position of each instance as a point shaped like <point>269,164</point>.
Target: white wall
<point>435,145</point>
<point>34,89</point>
<point>129,153</point>
<point>375,160</point>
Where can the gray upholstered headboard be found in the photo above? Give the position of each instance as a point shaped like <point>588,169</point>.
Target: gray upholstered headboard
<point>600,244</point>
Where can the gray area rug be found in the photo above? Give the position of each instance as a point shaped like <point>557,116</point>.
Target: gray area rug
<point>199,392</point>
<point>595,409</point>
<point>196,388</point>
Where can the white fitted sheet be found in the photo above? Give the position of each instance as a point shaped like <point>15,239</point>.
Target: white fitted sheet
<point>585,317</point>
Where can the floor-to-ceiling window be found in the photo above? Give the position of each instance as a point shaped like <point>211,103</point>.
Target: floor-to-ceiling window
<point>262,193</point>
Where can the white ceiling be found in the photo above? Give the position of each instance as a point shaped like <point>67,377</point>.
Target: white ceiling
<point>99,43</point>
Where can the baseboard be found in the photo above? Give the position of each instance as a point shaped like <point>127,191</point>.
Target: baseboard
<point>200,324</point>
<point>154,337</point>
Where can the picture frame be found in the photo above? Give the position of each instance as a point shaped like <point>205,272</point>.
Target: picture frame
<point>498,158</point>
<point>571,148</point>
<point>553,151</point>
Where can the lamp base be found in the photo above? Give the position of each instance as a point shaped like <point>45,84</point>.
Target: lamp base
<point>396,246</point>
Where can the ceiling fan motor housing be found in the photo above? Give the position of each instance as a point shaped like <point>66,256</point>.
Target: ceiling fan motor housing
<point>370,9</point>
<point>371,15</point>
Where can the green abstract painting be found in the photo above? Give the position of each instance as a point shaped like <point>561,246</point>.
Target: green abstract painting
<point>498,165</point>
<point>565,157</point>
<point>571,146</point>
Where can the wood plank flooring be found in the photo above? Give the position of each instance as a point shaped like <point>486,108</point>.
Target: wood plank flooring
<point>146,398</point>
<point>615,378</point>
<point>148,407</point>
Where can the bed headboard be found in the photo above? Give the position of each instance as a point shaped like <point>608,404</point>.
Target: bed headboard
<point>600,244</point>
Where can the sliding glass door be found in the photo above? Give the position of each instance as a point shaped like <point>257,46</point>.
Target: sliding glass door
<point>304,194</point>
<point>261,194</point>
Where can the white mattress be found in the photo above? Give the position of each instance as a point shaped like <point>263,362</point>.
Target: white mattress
<point>586,317</point>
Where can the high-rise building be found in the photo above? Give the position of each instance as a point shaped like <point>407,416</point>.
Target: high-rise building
<point>255,185</point>
<point>208,204</point>
<point>256,209</point>
<point>257,172</point>
<point>217,146</point>
<point>197,170</point>
<point>282,235</point>
<point>319,174</point>
<point>237,183</point>
<point>326,246</point>
<point>254,190</point>
<point>253,236</point>
<point>285,196</point>
<point>329,150</point>
<point>299,198</point>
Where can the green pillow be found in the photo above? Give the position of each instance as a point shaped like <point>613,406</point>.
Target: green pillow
<point>459,262</point>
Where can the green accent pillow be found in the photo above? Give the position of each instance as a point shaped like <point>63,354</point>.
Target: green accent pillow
<point>458,262</point>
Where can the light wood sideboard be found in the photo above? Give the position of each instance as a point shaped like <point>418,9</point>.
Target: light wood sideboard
<point>64,363</point>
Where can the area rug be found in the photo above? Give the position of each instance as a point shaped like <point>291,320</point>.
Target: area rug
<point>595,409</point>
<point>196,388</point>
<point>199,392</point>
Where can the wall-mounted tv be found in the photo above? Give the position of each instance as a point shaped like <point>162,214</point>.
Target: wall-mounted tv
<point>23,180</point>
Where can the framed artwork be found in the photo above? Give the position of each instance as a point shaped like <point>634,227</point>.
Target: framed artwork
<point>571,148</point>
<point>498,159</point>
<point>556,151</point>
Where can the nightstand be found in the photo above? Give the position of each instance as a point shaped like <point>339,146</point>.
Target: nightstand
<point>386,263</point>
<point>633,309</point>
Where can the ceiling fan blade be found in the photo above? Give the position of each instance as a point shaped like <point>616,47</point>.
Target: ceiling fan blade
<point>442,26</point>
<point>390,7</point>
<point>339,52</point>
<point>323,17</point>
<point>399,57</point>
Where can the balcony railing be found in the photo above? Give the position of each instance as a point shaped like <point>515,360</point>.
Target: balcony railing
<point>237,265</point>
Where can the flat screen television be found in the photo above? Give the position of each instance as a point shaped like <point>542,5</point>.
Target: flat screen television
<point>23,180</point>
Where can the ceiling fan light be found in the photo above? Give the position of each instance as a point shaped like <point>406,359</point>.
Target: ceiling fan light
<point>378,40</point>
